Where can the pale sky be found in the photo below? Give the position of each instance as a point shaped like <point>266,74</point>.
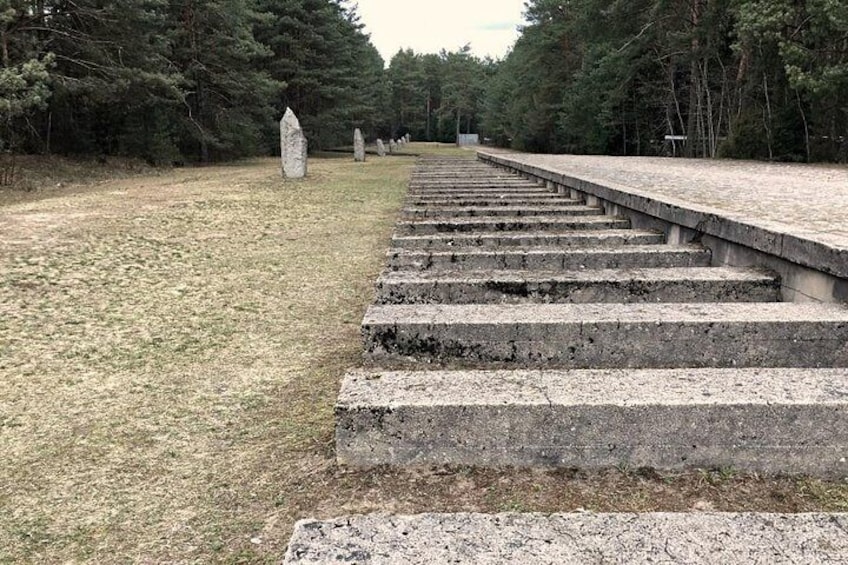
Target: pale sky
<point>427,26</point>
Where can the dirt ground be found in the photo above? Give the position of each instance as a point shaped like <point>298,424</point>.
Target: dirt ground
<point>171,345</point>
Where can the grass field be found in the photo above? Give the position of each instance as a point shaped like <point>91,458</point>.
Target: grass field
<point>171,345</point>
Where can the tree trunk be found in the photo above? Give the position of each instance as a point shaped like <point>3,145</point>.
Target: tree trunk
<point>694,82</point>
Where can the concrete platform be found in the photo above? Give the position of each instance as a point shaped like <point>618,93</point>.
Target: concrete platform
<point>582,220</point>
<point>551,258</point>
<point>577,239</point>
<point>611,335</point>
<point>795,212</point>
<point>712,284</point>
<point>572,539</point>
<point>759,420</point>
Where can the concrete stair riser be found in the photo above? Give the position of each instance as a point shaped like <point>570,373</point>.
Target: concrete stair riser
<point>760,420</point>
<point>595,286</point>
<point>544,200</point>
<point>511,224</point>
<point>610,335</point>
<point>421,213</point>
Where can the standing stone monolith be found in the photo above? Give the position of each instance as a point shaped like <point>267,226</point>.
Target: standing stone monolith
<point>292,146</point>
<point>358,146</point>
<point>381,148</point>
<point>407,137</point>
<point>393,146</point>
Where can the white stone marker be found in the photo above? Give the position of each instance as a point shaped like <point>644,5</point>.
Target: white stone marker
<point>292,146</point>
<point>358,146</point>
<point>381,148</point>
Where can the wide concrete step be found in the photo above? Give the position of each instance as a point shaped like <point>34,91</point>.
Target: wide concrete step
<point>450,202</point>
<point>577,239</point>
<point>610,335</point>
<point>699,284</point>
<point>762,420</point>
<point>594,221</point>
<point>471,178</point>
<point>570,208</point>
<point>491,182</point>
<point>550,258</point>
<point>479,193</point>
<point>572,539</point>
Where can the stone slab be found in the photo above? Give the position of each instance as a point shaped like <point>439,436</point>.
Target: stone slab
<point>571,240</point>
<point>551,258</point>
<point>502,200</point>
<point>510,224</point>
<point>572,539</point>
<point>694,284</point>
<point>571,208</point>
<point>488,195</point>
<point>611,335</point>
<point>759,420</point>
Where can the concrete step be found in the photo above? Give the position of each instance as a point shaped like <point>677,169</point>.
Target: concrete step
<point>571,208</point>
<point>537,224</point>
<point>611,335</point>
<point>469,179</point>
<point>483,198</point>
<point>760,420</point>
<point>699,284</point>
<point>450,202</point>
<point>578,538</point>
<point>576,239</point>
<point>494,194</point>
<point>551,258</point>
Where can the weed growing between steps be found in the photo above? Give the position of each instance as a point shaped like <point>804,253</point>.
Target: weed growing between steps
<point>171,347</point>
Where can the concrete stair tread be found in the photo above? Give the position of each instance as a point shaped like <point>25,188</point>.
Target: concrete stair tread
<point>546,249</point>
<point>494,193</point>
<point>551,258</point>
<point>596,387</point>
<point>463,315</point>
<point>613,237</point>
<point>536,539</point>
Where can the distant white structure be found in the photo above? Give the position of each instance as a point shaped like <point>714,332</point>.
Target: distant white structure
<point>468,139</point>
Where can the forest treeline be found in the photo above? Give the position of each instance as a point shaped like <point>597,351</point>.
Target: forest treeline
<point>764,79</point>
<point>206,80</point>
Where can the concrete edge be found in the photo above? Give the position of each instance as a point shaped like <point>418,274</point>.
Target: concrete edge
<point>579,537</point>
<point>772,240</point>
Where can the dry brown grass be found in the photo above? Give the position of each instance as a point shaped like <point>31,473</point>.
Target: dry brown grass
<point>170,350</point>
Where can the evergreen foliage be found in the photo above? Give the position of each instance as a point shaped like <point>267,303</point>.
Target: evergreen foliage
<point>205,80</point>
<point>175,80</point>
<point>763,79</point>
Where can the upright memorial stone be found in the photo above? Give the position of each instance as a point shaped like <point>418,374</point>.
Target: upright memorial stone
<point>358,146</point>
<point>407,137</point>
<point>393,147</point>
<point>381,148</point>
<point>292,146</point>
